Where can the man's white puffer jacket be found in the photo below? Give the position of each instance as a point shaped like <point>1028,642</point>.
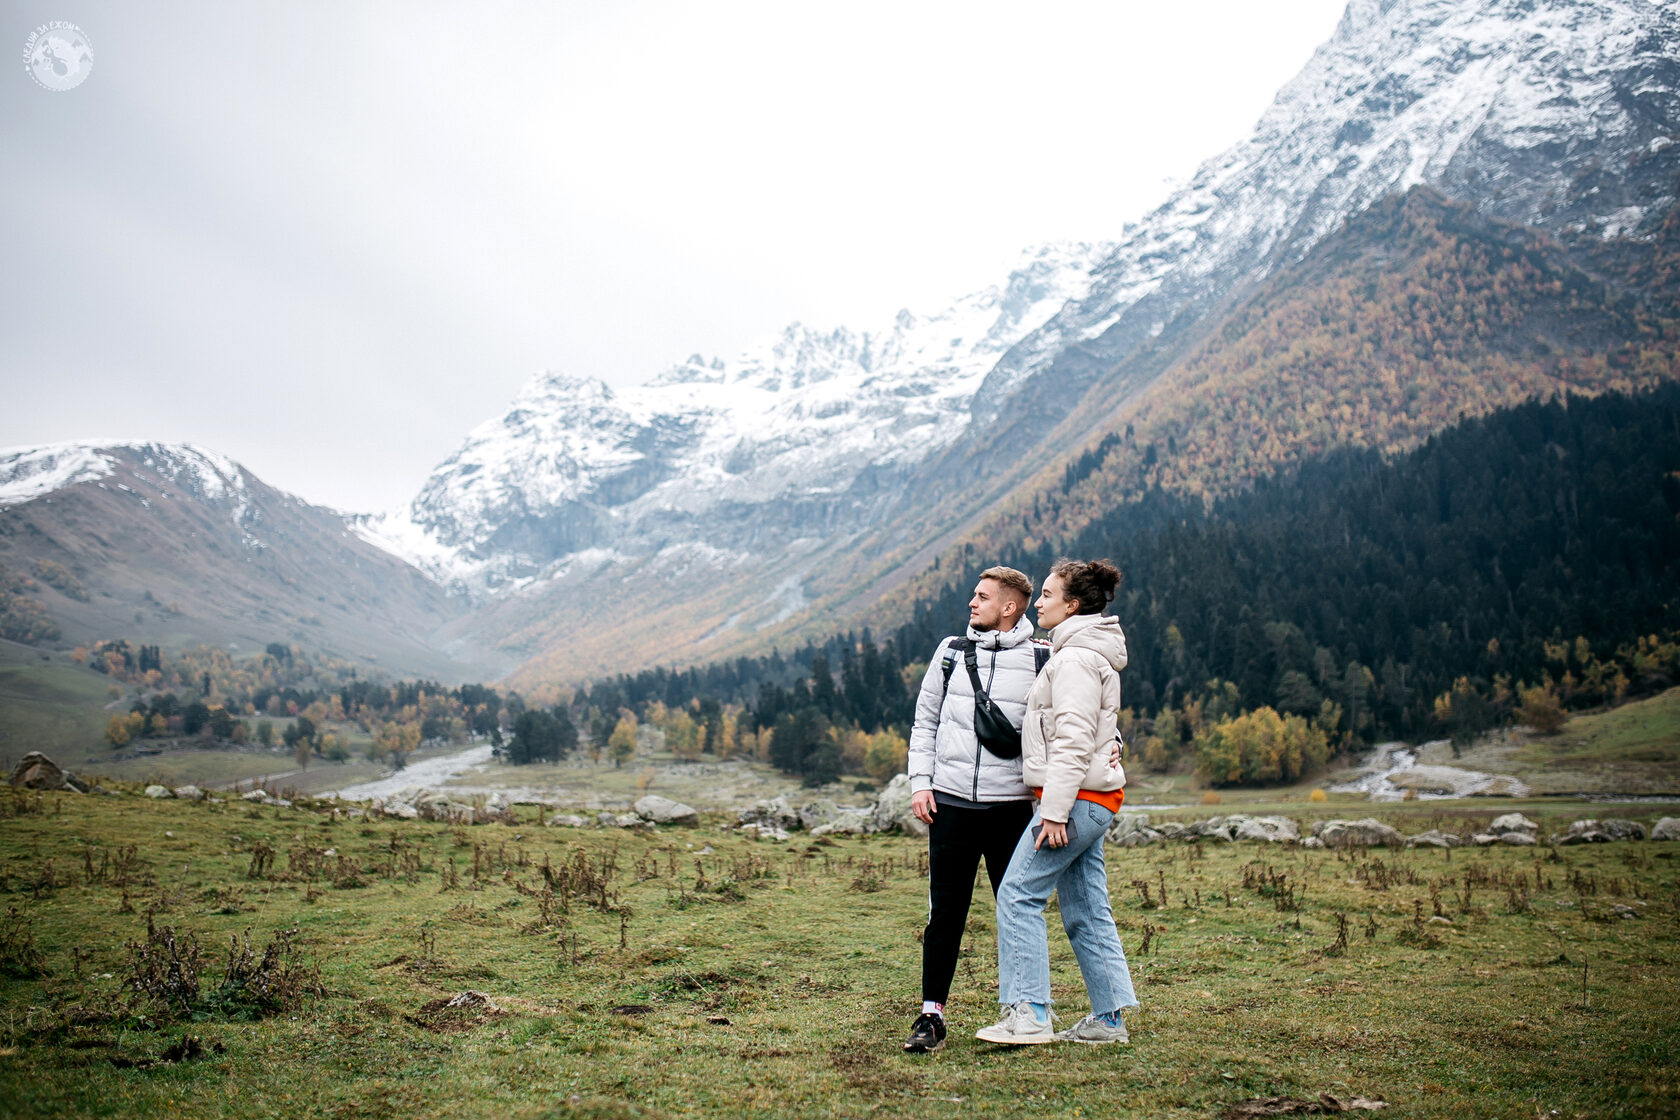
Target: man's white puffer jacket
<point>944,754</point>
<point>1073,714</point>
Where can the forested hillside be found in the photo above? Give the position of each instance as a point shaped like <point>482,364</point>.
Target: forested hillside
<point>1417,314</point>
<point>1366,595</point>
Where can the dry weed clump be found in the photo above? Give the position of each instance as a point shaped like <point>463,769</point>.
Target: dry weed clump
<point>20,957</point>
<point>167,971</point>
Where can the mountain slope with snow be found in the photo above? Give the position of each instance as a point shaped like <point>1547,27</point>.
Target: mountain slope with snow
<point>1526,106</point>
<point>176,544</point>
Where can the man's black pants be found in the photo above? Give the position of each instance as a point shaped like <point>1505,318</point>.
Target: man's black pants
<point>957,840</point>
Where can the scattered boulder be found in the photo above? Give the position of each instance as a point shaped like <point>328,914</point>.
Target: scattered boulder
<point>1131,830</point>
<point>1312,842</point>
<point>892,809</point>
<point>37,771</point>
<point>254,795</point>
<point>1367,832</point>
<point>1666,829</point>
<point>847,822</point>
<point>662,810</point>
<point>818,813</point>
<point>159,793</point>
<point>775,812</point>
<point>1273,830</point>
<point>566,820</point>
<point>189,793</point>
<point>763,832</point>
<point>1434,838</point>
<point>1599,832</point>
<point>1211,828</point>
<point>1512,822</point>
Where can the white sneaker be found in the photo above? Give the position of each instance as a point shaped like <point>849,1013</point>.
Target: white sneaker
<point>1019,1027</point>
<point>1096,1028</point>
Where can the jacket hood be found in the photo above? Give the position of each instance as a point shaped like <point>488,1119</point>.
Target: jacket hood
<point>1002,639</point>
<point>1099,632</point>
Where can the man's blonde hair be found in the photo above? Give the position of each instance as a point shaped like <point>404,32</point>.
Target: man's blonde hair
<point>1010,578</point>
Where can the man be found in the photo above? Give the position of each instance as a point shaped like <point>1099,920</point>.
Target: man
<point>967,791</point>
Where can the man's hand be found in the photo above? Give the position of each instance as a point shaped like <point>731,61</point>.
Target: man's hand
<point>922,806</point>
<point>1052,834</point>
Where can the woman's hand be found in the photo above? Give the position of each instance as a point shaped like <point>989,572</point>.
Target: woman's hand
<point>1051,833</point>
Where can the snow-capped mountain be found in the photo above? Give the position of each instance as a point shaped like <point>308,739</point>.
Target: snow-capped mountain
<point>171,542</point>
<point>1531,108</point>
<point>813,422</point>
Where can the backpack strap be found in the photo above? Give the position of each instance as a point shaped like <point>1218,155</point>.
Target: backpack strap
<point>948,661</point>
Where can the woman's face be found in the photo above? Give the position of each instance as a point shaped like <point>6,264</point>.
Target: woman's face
<point>1053,605</point>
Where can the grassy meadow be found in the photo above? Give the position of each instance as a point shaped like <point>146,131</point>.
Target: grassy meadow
<point>698,973</point>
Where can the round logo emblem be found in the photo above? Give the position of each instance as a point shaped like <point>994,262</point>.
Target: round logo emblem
<point>58,56</point>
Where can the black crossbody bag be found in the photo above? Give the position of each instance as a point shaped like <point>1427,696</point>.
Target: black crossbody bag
<point>992,728</point>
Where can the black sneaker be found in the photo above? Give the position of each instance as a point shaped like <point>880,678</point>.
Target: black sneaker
<point>927,1034</point>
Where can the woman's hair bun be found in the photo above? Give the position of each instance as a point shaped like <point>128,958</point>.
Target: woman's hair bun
<point>1093,583</point>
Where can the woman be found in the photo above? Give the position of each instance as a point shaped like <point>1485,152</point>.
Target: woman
<point>1072,718</point>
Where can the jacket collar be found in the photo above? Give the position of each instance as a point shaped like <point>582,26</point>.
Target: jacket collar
<point>1002,639</point>
<point>1076,624</point>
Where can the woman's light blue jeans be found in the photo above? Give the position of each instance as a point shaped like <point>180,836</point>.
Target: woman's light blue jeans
<point>1076,873</point>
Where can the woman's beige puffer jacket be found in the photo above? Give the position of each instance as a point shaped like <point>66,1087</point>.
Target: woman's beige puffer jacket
<point>1073,714</point>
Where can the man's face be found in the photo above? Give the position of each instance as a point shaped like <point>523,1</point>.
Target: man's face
<point>994,606</point>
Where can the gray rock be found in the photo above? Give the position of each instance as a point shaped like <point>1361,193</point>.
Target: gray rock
<point>1367,832</point>
<point>818,813</point>
<point>1434,838</point>
<point>1484,839</point>
<point>254,795</point>
<point>189,793</point>
<point>1599,832</point>
<point>158,793</point>
<point>1212,828</point>
<point>1512,822</point>
<point>763,832</point>
<point>1272,830</point>
<point>775,812</point>
<point>1666,829</point>
<point>662,810</point>
<point>37,771</point>
<point>401,810</point>
<point>1517,838</point>
<point>1131,830</point>
<point>1171,830</point>
<point>1125,824</point>
<point>892,809</point>
<point>566,820</point>
<point>1312,842</point>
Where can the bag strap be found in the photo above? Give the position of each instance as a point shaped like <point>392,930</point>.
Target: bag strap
<point>949,661</point>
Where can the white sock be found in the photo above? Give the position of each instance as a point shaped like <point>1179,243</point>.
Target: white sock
<point>931,1008</point>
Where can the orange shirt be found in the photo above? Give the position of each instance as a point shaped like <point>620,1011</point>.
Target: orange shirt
<point>1110,800</point>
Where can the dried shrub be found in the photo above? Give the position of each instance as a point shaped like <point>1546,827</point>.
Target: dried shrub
<point>20,958</point>
<point>165,968</point>
<point>276,981</point>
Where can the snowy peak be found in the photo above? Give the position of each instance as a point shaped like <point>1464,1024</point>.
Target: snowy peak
<point>800,416</point>
<point>28,473</point>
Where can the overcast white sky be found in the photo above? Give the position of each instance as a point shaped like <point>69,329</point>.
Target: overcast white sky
<point>327,239</point>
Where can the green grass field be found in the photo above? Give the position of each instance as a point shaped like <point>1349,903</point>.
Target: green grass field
<point>697,973</point>
<point>49,704</point>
